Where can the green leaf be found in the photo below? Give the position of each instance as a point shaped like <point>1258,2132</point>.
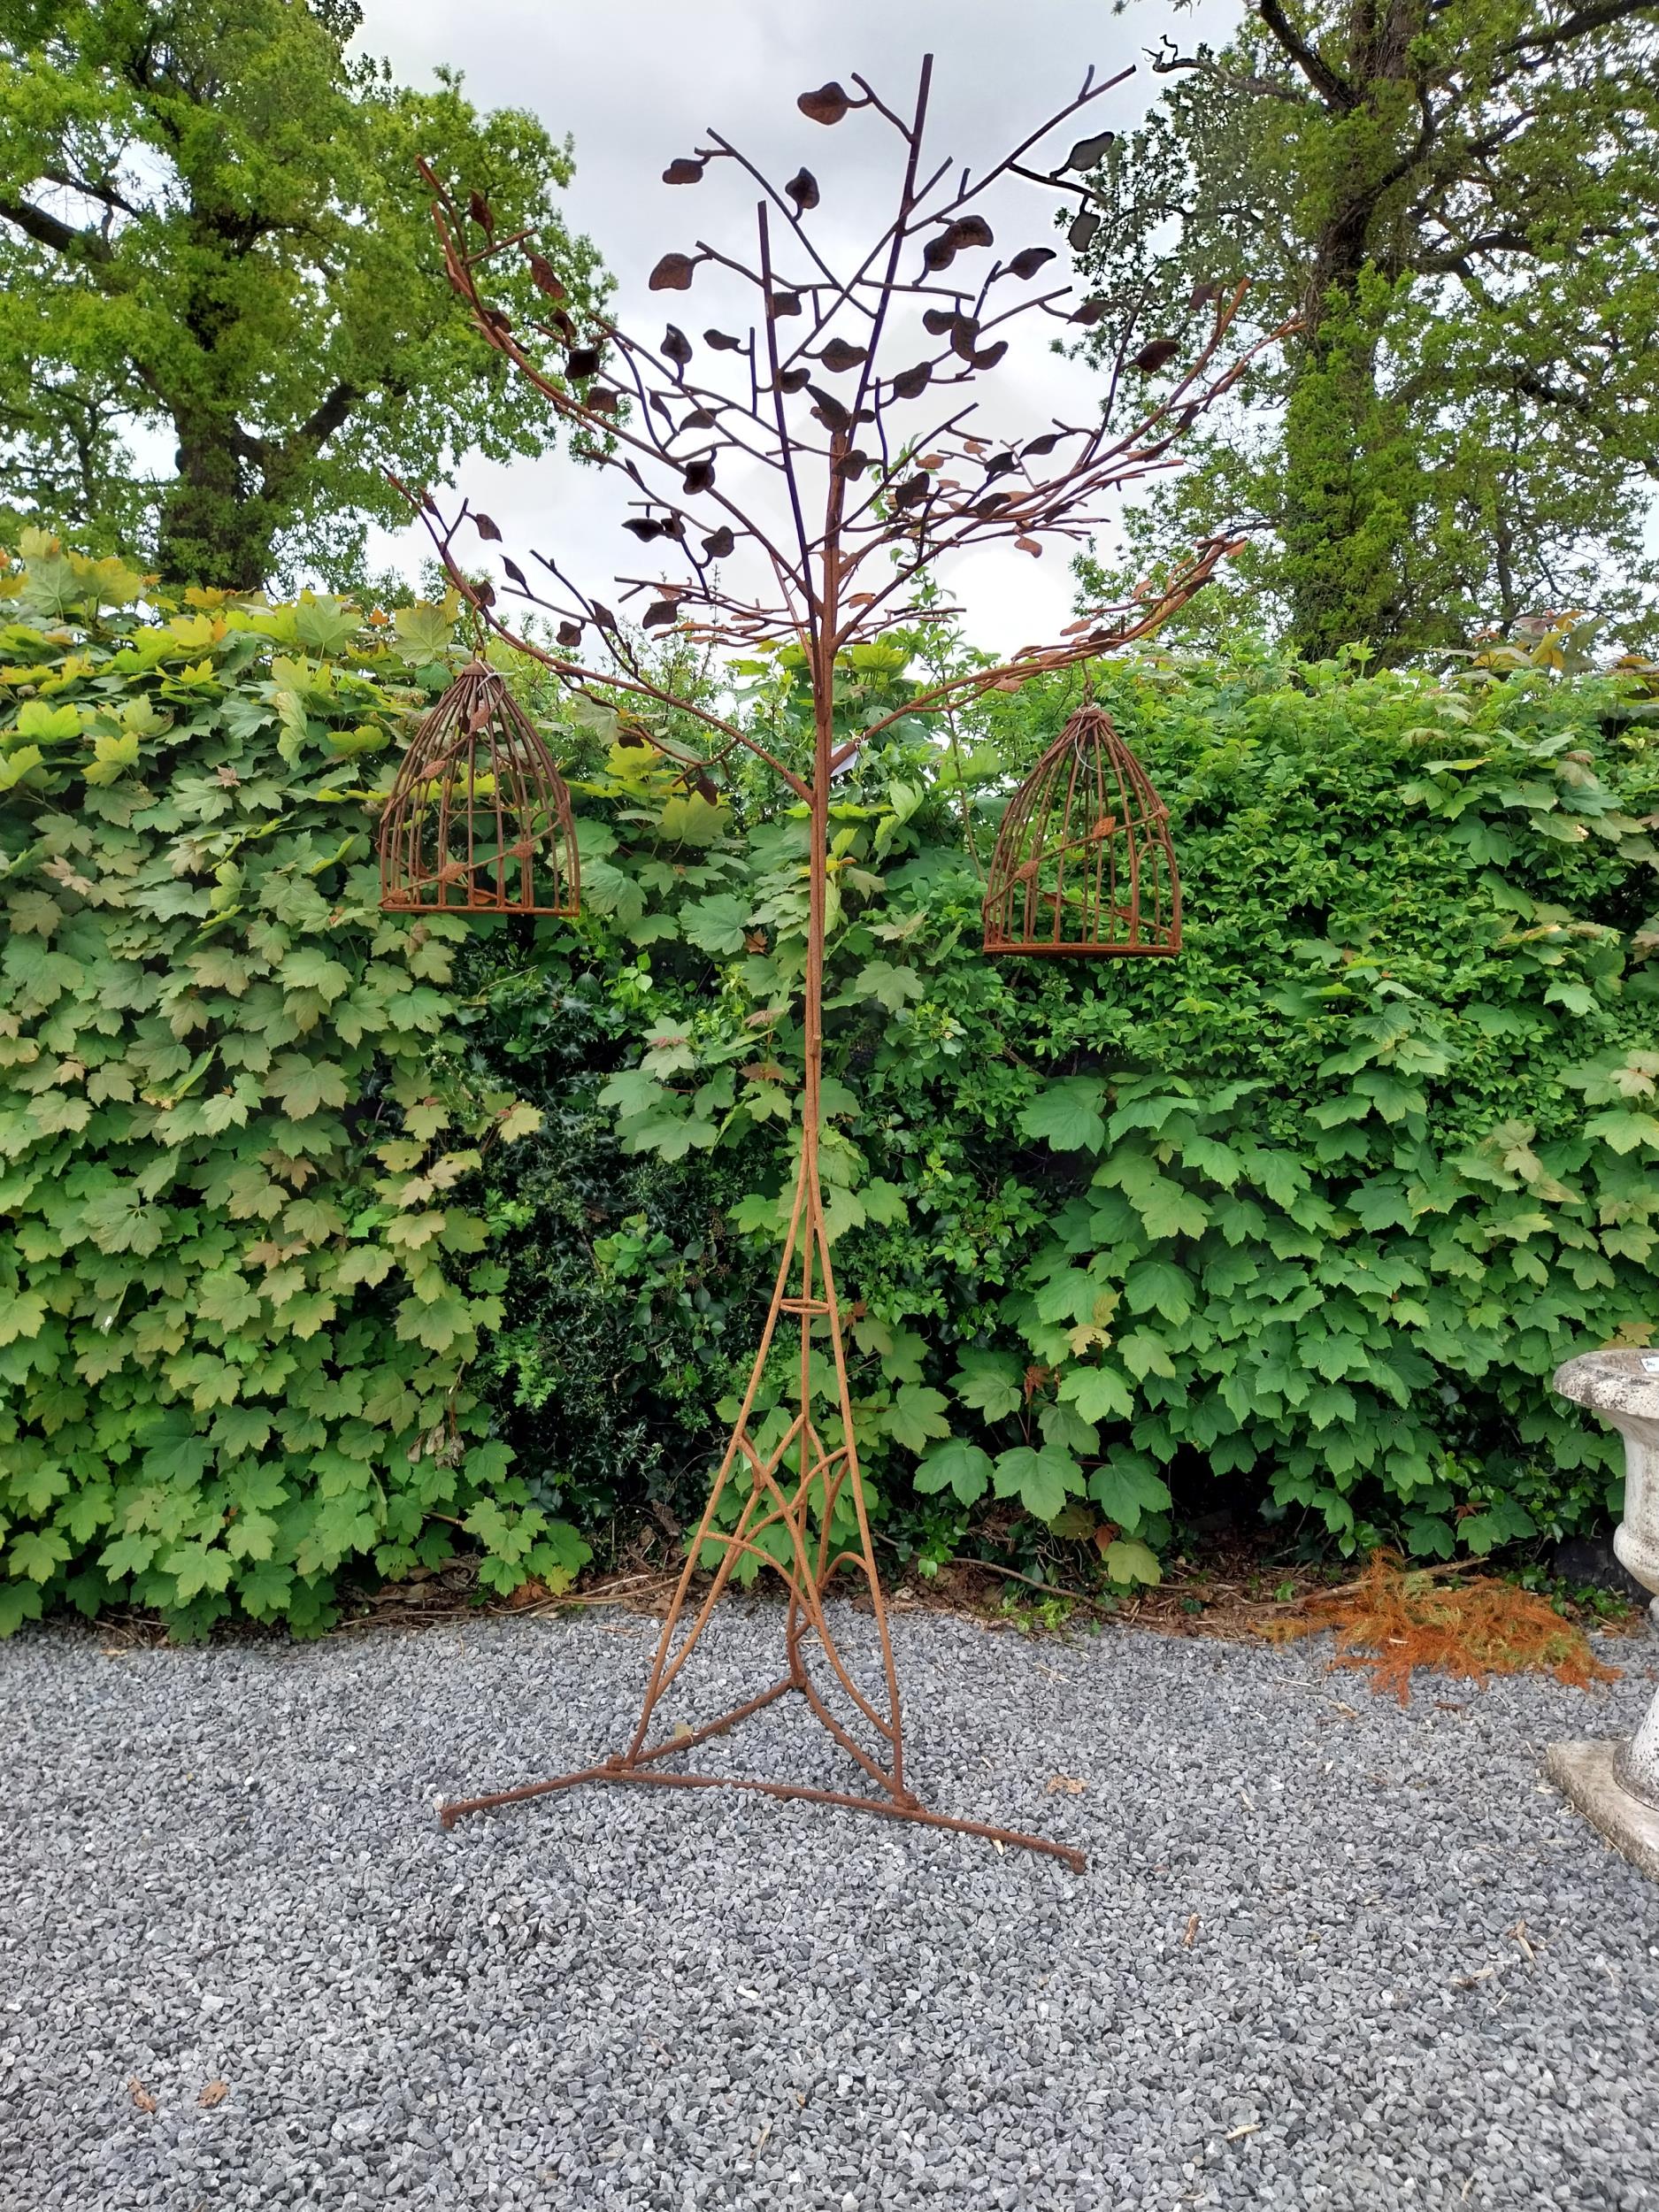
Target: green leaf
<point>1041,1480</point>
<point>1624,1131</point>
<point>716,925</point>
<point>1098,1393</point>
<point>1128,1562</point>
<point>1066,1114</point>
<point>302,1086</point>
<point>993,1383</point>
<point>21,1314</point>
<point>1127,1487</point>
<point>916,1414</point>
<point>1159,1286</point>
<point>891,987</point>
<point>962,1468</point>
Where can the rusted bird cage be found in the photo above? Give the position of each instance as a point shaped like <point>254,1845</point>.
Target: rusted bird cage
<point>479,821</point>
<point>1084,864</point>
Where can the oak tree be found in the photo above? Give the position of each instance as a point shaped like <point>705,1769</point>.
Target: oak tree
<point>1460,198</point>
<point>223,315</point>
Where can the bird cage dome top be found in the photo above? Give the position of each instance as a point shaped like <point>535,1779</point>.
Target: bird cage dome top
<point>1084,864</point>
<point>479,821</point>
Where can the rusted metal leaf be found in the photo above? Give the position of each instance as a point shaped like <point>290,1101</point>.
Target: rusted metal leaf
<point>542,271</point>
<point>1082,231</point>
<point>1157,355</point>
<point>569,634</point>
<point>722,342</point>
<point>987,357</point>
<point>676,345</point>
<point>1045,444</point>
<point>1029,259</point>
<point>794,380</point>
<point>659,614</point>
<point>673,273</point>
<point>937,253</point>
<point>802,190</point>
<point>939,319</point>
<point>827,104</point>
<point>912,489</point>
<point>829,410</point>
<point>970,230</point>
<point>478,208</point>
<point>719,543</point>
<point>837,356</point>
<point>515,572</point>
<point>1089,153</point>
<point>1089,313</point>
<point>783,303</point>
<point>912,383</point>
<point>964,335</point>
<point>581,363</point>
<point>683,170</point>
<point>485,528</point>
<point>699,476</point>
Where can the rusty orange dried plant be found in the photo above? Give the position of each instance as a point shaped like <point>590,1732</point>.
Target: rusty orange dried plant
<point>1396,1618</point>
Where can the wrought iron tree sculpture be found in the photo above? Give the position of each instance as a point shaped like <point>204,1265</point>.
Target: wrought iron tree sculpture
<point>804,500</point>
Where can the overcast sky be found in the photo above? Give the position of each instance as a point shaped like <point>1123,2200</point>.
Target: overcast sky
<point>636,82</point>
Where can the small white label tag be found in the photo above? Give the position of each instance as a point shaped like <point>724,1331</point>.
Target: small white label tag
<point>1650,1363</point>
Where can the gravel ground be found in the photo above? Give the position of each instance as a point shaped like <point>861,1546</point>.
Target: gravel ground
<point>1292,1975</point>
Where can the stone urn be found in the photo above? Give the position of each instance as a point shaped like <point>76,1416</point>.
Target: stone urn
<point>1615,1785</point>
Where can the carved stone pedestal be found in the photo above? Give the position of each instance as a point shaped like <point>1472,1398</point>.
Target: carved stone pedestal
<point>1615,1785</point>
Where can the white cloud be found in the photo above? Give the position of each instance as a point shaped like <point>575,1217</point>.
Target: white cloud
<point>638,81</point>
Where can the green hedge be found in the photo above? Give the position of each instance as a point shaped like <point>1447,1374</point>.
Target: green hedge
<point>1304,1218</point>
<point>1314,1210</point>
<point>243,1285</point>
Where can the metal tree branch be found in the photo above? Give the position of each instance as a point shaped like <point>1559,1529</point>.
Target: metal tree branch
<point>774,499</point>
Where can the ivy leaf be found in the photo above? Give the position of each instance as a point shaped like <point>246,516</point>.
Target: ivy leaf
<point>303,1086</point>
<point>1624,1133</point>
<point>1127,1487</point>
<point>891,987</point>
<point>1066,1114</point>
<point>916,1414</point>
<point>21,1315</point>
<point>1159,1286</point>
<point>310,969</point>
<point>992,1383</point>
<point>963,1467</point>
<point>1128,1562</point>
<point>1098,1393</point>
<point>716,925</point>
<point>1041,1480</point>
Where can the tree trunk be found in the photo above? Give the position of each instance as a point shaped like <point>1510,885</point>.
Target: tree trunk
<point>216,528</point>
<point>1345,527</point>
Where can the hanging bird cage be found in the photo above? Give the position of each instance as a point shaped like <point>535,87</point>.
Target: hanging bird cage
<point>479,821</point>
<point>1084,864</point>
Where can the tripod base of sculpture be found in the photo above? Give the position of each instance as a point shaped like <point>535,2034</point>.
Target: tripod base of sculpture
<point>793,1522</point>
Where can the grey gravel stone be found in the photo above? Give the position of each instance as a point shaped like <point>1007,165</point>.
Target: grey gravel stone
<point>1414,1977</point>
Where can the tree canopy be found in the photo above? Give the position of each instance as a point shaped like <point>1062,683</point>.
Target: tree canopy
<point>1459,198</point>
<point>214,245</point>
